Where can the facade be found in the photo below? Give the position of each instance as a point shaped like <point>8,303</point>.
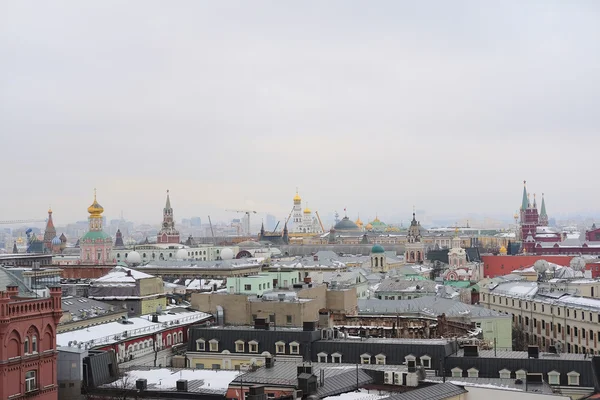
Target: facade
<point>96,245</point>
<point>49,234</point>
<point>28,355</point>
<point>414,249</point>
<point>549,316</point>
<point>494,266</point>
<point>168,233</point>
<point>397,289</point>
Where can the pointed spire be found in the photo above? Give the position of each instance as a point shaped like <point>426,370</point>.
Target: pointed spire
<point>168,204</point>
<point>15,250</point>
<point>525,200</point>
<point>534,201</point>
<point>543,209</point>
<point>528,200</point>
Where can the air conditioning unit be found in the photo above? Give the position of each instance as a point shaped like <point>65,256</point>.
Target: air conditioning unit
<point>388,377</point>
<point>412,380</point>
<point>397,378</point>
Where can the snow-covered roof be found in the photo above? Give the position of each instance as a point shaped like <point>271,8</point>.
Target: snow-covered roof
<point>113,331</point>
<point>120,274</point>
<point>199,380</point>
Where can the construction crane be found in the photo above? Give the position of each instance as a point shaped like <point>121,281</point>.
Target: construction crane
<point>21,221</point>
<point>320,223</point>
<point>211,231</point>
<point>247,212</point>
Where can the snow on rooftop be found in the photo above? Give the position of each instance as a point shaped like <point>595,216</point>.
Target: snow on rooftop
<point>361,394</point>
<point>165,379</point>
<point>112,332</point>
<point>120,274</point>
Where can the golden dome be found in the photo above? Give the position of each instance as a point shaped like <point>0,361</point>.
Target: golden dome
<point>307,210</point>
<point>297,197</point>
<point>359,222</point>
<point>49,210</point>
<point>369,226</point>
<point>95,209</point>
<point>503,250</point>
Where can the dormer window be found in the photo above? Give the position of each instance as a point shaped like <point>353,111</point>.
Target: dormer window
<point>322,357</point>
<point>336,358</point>
<point>504,374</point>
<point>365,358</point>
<point>457,372</point>
<point>554,378</point>
<point>426,361</point>
<point>280,347</point>
<point>573,378</point>
<point>240,346</point>
<point>521,374</point>
<point>253,346</point>
<point>294,348</point>
<point>213,345</point>
<point>473,373</point>
<point>380,359</point>
<point>200,345</point>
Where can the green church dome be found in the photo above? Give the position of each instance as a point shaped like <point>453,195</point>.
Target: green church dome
<point>377,249</point>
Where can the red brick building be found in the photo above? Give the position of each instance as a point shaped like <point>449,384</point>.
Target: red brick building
<point>28,345</point>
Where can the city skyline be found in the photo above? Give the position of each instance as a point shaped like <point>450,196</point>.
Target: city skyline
<point>445,108</point>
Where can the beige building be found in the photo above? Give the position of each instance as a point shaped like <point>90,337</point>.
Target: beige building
<point>289,308</point>
<point>549,316</point>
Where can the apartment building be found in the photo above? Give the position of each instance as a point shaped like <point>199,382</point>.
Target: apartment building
<point>548,316</point>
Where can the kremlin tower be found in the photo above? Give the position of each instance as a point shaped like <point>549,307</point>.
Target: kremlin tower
<point>168,233</point>
<point>49,233</point>
<point>96,244</point>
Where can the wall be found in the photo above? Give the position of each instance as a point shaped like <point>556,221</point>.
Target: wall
<point>150,286</point>
<point>501,265</point>
<point>67,325</point>
<point>478,393</point>
<point>70,373</point>
<point>150,306</point>
<point>87,272</point>
<point>343,300</point>
<point>497,328</point>
<point>254,284</point>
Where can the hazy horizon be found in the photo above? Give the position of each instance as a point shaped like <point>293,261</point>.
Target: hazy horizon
<point>373,107</point>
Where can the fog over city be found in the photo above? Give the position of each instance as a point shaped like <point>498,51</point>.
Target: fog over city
<point>371,106</point>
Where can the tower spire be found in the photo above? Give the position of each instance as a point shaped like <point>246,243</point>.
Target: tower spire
<point>168,204</point>
<point>534,201</point>
<point>543,214</point>
<point>525,200</point>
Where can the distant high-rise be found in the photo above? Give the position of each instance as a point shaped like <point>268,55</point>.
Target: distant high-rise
<point>271,222</point>
<point>196,222</point>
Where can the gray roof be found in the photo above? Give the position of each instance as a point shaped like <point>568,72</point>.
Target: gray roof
<point>402,285</point>
<point>434,392</point>
<point>427,305</point>
<point>7,278</point>
<point>83,308</point>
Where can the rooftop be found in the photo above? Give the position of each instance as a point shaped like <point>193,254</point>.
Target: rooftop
<point>165,379</point>
<point>426,305</point>
<point>113,332</point>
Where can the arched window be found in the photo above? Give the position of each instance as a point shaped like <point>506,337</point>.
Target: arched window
<point>26,345</point>
<point>168,340</point>
<point>34,347</point>
<point>180,337</point>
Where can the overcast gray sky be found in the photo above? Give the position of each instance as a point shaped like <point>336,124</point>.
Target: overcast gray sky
<point>371,105</point>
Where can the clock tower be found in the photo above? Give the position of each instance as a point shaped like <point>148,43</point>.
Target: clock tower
<point>168,233</point>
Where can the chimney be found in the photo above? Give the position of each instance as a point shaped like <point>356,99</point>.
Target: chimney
<point>315,258</point>
<point>128,272</point>
<point>12,290</point>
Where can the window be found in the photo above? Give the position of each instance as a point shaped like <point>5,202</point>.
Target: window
<point>199,366</point>
<point>542,308</point>
<point>473,373</point>
<point>558,311</point>
<point>253,346</point>
<point>216,366</point>
<point>336,358</point>
<point>26,345</point>
<point>568,329</point>
<point>575,330</point>
<point>180,337</point>
<point>288,319</point>
<point>583,333</point>
<point>504,374</point>
<point>554,378</point>
<point>168,340</point>
<point>426,361</point>
<point>380,359</point>
<point>591,334</point>
<point>574,314</point>
<point>456,372</point>
<point>322,357</point>
<point>573,378</point>
<point>365,358</point>
<point>247,287</point>
<point>521,374</point>
<point>239,346</point>
<point>280,348</point>
<point>214,345</point>
<point>31,384</point>
<point>34,348</point>
<point>558,328</point>
<point>294,348</point>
